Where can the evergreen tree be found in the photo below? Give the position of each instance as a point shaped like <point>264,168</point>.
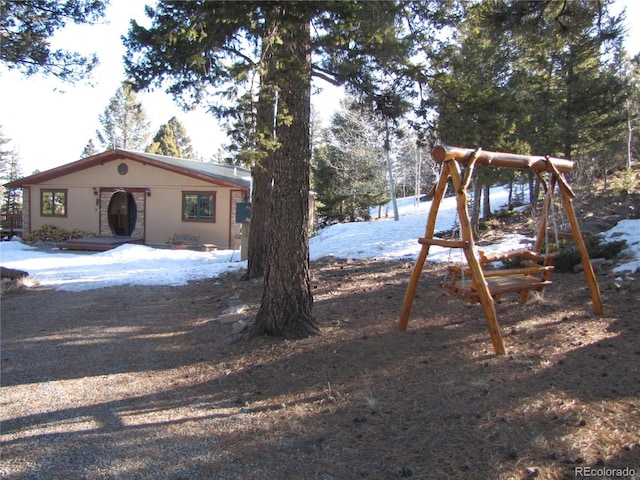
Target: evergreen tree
<point>241,130</point>
<point>416,171</point>
<point>172,140</point>
<point>476,107</point>
<point>565,73</point>
<point>533,77</point>
<point>633,112</point>
<point>470,87</point>
<point>5,154</point>
<point>10,170</point>
<point>348,168</point>
<point>89,149</point>
<point>196,45</point>
<point>26,29</point>
<point>124,122</point>
<point>390,106</point>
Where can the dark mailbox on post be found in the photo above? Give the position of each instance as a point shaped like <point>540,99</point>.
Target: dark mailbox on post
<point>243,212</point>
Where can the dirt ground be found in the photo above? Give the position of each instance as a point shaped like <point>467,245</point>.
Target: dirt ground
<point>146,382</point>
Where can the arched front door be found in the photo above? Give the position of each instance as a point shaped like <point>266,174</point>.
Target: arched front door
<point>122,214</point>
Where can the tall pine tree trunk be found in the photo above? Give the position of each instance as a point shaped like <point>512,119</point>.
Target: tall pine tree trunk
<point>260,195</point>
<point>475,208</point>
<point>286,308</point>
<point>486,201</point>
<point>569,115</point>
<point>256,257</point>
<point>533,188</point>
<point>392,185</point>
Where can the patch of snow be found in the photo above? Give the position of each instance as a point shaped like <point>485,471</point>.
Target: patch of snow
<point>381,239</point>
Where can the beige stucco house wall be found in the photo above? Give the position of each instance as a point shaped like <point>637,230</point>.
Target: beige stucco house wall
<point>125,193</point>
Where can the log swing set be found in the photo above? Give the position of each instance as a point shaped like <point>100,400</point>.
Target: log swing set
<point>487,285</point>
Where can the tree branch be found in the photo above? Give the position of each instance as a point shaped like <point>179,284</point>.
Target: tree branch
<point>325,75</point>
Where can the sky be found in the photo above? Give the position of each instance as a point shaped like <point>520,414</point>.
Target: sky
<point>381,239</point>
<point>49,122</point>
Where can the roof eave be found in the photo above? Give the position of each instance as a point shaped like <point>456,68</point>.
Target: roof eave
<point>112,155</point>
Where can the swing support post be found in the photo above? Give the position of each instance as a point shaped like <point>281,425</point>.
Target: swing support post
<point>438,194</point>
<point>487,287</point>
<point>596,298</point>
<point>488,305</point>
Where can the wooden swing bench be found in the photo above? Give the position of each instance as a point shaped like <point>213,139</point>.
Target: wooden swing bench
<point>477,283</point>
<point>534,275</point>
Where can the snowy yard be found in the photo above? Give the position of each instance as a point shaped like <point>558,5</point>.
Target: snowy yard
<point>380,239</point>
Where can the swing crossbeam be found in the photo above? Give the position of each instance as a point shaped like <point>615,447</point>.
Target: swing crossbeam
<point>464,156</point>
<point>488,285</point>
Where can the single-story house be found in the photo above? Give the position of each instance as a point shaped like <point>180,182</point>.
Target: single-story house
<point>122,193</point>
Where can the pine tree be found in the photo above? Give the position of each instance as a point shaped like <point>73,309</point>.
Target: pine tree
<point>470,87</point>
<point>633,112</point>
<point>193,46</point>
<point>416,170</point>
<point>475,105</point>
<point>89,149</point>
<point>565,73</point>
<point>124,122</point>
<point>172,140</point>
<point>348,167</point>
<point>10,170</point>
<point>241,130</point>
<point>533,77</point>
<point>26,29</point>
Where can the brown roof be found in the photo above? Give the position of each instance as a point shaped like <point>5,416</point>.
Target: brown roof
<point>217,174</point>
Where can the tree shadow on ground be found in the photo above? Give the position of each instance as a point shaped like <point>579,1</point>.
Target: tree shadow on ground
<point>361,401</point>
